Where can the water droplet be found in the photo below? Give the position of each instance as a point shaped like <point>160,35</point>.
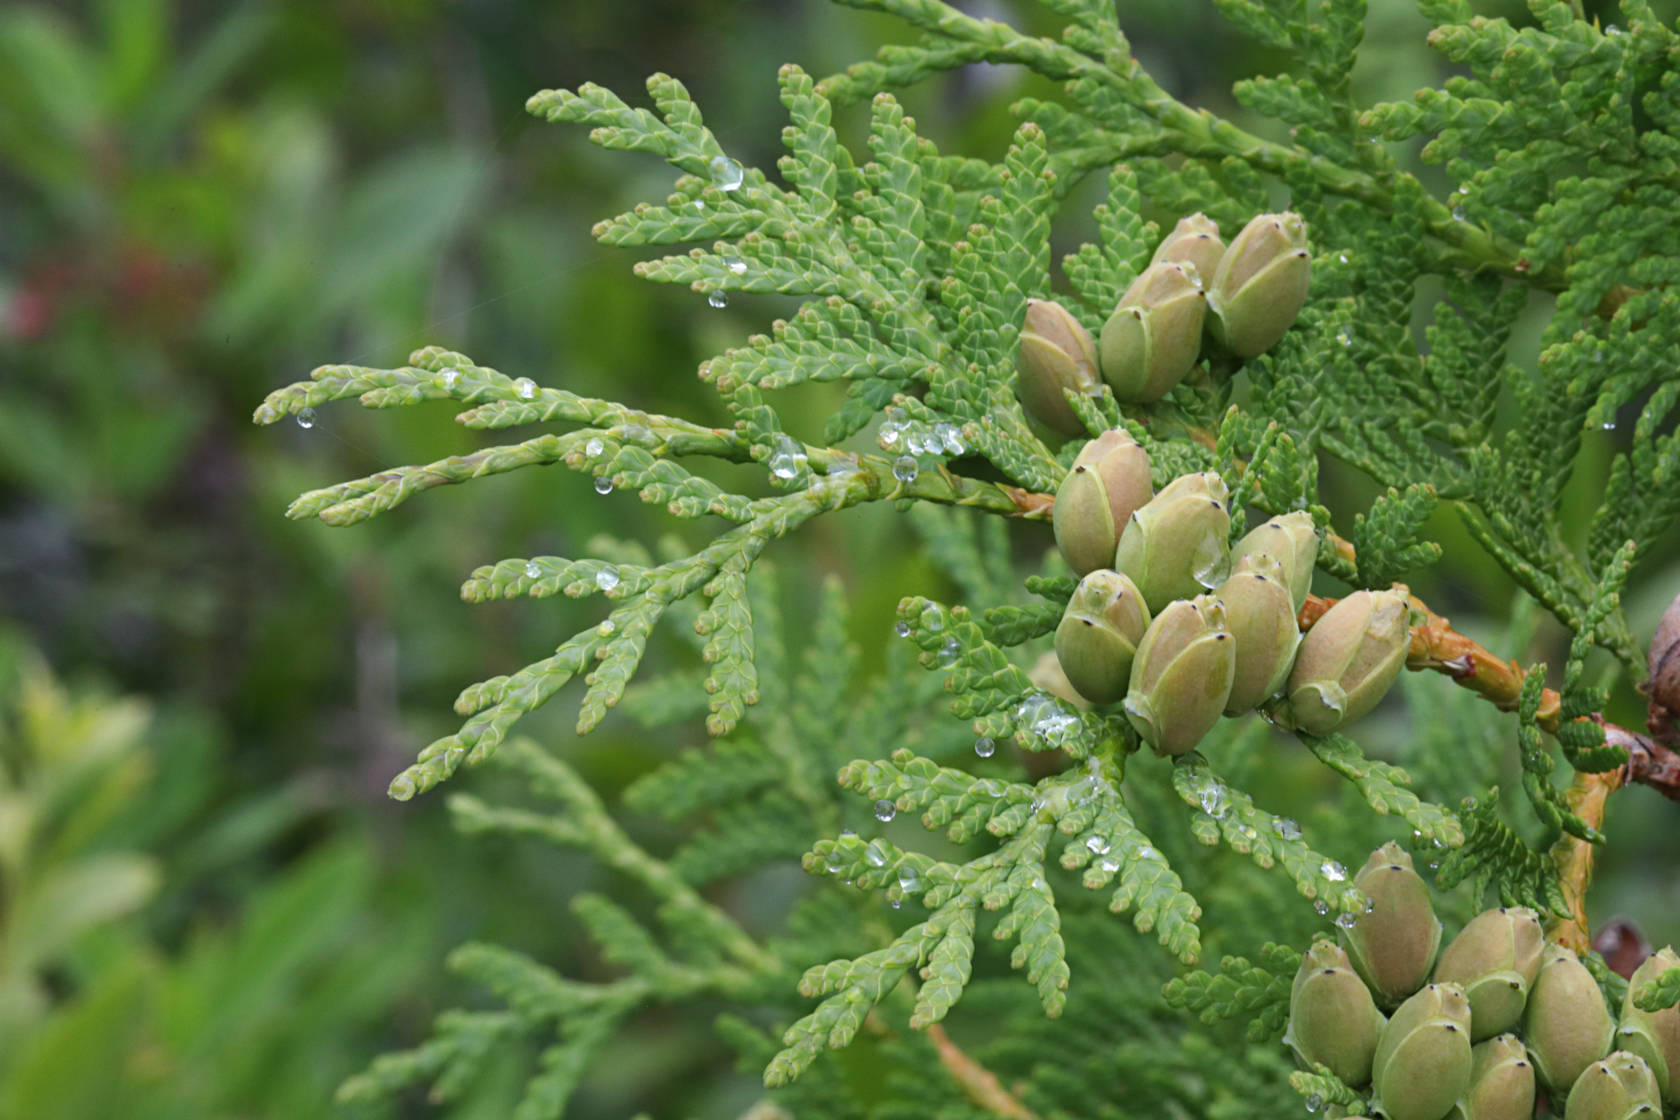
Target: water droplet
<point>525,388</point>
<point>905,469</point>
<point>1458,213</point>
<point>532,569</point>
<point>1343,257</point>
<point>1314,1103</point>
<point>1333,871</point>
<point>890,435</point>
<point>1110,865</point>
<point>450,376</point>
<point>909,882</point>
<point>948,652</point>
<point>594,448</point>
<point>984,747</point>
<point>603,485</point>
<point>735,265</point>
<point>885,810</point>
<point>932,617</point>
<point>875,855</point>
<point>895,903</point>
<point>1321,907</point>
<point>1286,828</point>
<point>902,629</point>
<point>1210,563</point>
<point>1608,426</point>
<point>1146,852</point>
<point>1211,794</point>
<point>1344,338</point>
<point>453,756</point>
<point>718,300</point>
<point>1097,844</point>
<point>606,627</point>
<point>788,458</point>
<point>306,418</point>
<point>727,174</point>
<point>950,437</point>
<point>1344,920</point>
<point>606,579</point>
<point>1612,29</point>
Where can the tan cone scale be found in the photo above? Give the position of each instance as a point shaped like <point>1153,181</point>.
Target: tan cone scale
<point>1262,621</point>
<point>1566,1023</point>
<point>1181,675</point>
<point>1195,240</point>
<point>1423,1063</point>
<point>1291,540</point>
<point>1099,634</point>
<point>1332,1020</point>
<point>1108,483</point>
<point>1501,1082</point>
<point>1348,660</point>
<point>1393,944</point>
<point>1056,353</point>
<point>1178,545</point>
<point>1152,339</point>
<point>1654,1035</point>
<point>1496,957</point>
<point>1620,1087</point>
<point>1260,285</point>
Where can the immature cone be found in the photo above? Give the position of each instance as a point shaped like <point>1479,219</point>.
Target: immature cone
<point>1566,1024</point>
<point>1496,957</point>
<point>1348,660</point>
<point>1291,540</point>
<point>1195,240</point>
<point>1501,1082</point>
<point>1177,545</point>
<point>1332,1020</point>
<point>1422,1065</point>
<point>1621,1087</point>
<point>1108,483</point>
<point>1099,633</point>
<point>1393,943</point>
<point>1155,333</point>
<point>1262,623</point>
<point>1260,285</point>
<point>1056,353</point>
<point>1181,675</point>
<point>1664,685</point>
<point>1653,1035</point>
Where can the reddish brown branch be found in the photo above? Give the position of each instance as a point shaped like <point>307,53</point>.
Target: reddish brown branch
<point>979,1083</point>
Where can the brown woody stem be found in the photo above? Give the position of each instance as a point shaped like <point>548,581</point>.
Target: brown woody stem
<point>980,1083</point>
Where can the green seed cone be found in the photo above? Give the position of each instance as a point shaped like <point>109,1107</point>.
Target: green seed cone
<point>1332,1020</point>
<point>1422,1065</point>
<point>1654,1035</point>
<point>1056,353</point>
<point>1393,944</point>
<point>1195,240</point>
<point>1155,333</point>
<point>1291,540</point>
<point>1099,633</point>
<point>1566,1024</point>
<point>1108,483</point>
<point>1495,957</point>
<point>1501,1082</point>
<point>1260,285</point>
<point>1177,546</point>
<point>1262,622</point>
<point>1620,1087</point>
<point>1348,660</point>
<point>1181,675</point>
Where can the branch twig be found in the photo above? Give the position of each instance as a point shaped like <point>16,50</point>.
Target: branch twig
<point>980,1083</point>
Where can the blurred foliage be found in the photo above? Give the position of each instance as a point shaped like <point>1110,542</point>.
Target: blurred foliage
<point>206,892</point>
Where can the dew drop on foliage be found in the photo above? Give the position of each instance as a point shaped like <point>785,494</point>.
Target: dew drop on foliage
<point>902,629</point>
<point>948,652</point>
<point>1109,865</point>
<point>1344,920</point>
<point>607,627</point>
<point>603,485</point>
<point>1333,871</point>
<point>525,388</point>
<point>1286,828</point>
<point>594,448</point>
<point>1320,906</point>
<point>1314,1103</point>
<point>718,300</point>
<point>727,174</point>
<point>532,569</point>
<point>306,418</point>
<point>949,437</point>
<point>1097,844</point>
<point>606,579</point>
<point>450,376</point>
<point>787,459</point>
<point>905,469</point>
<point>1146,852</point>
<point>735,265</point>
<point>984,747</point>
<point>885,810</point>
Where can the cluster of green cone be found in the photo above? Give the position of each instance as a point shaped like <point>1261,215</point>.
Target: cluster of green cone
<point>1242,297</point>
<point>1474,1034</point>
<point>1181,628</point>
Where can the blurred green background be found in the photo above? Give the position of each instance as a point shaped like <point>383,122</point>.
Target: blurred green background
<point>207,906</point>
